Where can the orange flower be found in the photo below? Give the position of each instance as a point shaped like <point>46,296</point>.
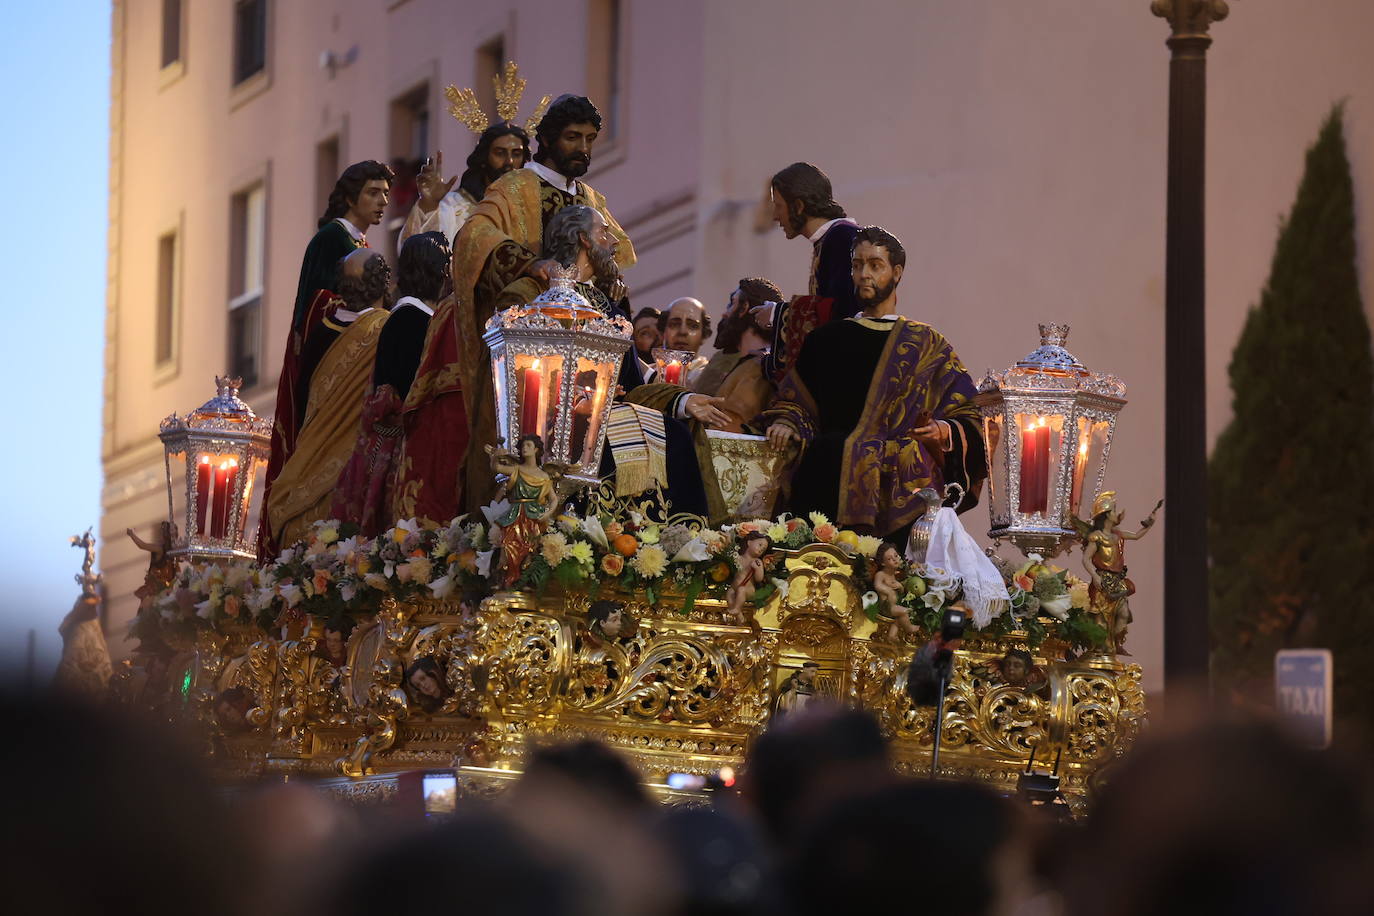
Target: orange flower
<point>321,581</point>
<point>614,529</point>
<point>626,545</point>
<point>232,605</point>
<point>826,533</point>
<point>612,564</point>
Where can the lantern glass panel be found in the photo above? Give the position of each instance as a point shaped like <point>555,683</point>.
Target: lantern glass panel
<point>538,384</point>
<point>997,460</point>
<point>1095,460</point>
<point>503,392</point>
<point>1040,445</point>
<point>592,383</point>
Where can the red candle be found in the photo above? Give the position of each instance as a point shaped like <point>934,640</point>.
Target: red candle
<point>1080,464</point>
<point>529,401</point>
<point>202,492</point>
<point>230,479</point>
<point>672,372</point>
<point>1030,461</point>
<point>221,503</point>
<point>1042,482</point>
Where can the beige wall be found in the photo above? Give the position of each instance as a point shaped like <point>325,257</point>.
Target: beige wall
<point>1017,149</point>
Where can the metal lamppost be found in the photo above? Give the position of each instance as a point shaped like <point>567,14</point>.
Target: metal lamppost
<point>1185,340</point>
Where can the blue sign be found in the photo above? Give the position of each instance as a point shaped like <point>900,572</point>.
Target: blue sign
<point>1302,690</point>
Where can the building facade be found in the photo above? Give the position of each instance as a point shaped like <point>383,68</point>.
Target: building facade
<point>1018,151</point>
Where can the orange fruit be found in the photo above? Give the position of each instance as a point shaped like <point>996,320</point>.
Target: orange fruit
<point>720,572</point>
<point>625,544</point>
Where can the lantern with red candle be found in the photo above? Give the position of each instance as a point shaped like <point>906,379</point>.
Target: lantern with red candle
<point>215,452</point>
<point>672,366</point>
<point>554,364</point>
<point>1048,423</point>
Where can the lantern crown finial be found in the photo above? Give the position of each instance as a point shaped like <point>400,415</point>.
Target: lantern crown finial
<point>1051,356</point>
<point>226,402</point>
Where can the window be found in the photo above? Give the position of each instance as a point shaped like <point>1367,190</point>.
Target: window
<point>171,32</point>
<point>164,347</point>
<point>248,228</point>
<point>491,61</point>
<point>603,61</point>
<point>326,171</point>
<point>250,38</point>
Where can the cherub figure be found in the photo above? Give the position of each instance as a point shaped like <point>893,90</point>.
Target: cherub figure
<point>533,501</point>
<point>1104,556</point>
<point>887,583</point>
<point>162,567</point>
<point>750,576</point>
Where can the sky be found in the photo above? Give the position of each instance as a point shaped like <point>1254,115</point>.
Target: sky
<point>55,153</point>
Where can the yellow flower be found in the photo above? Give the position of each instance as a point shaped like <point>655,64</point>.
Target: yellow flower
<point>650,562</point>
<point>582,552</point>
<point>817,519</point>
<point>1078,595</point>
<point>420,569</point>
<point>777,531</point>
<point>328,535</point>
<point>868,545</point>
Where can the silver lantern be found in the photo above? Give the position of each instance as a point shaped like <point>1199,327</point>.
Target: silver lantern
<point>221,445</point>
<point>1048,423</point>
<point>554,365</point>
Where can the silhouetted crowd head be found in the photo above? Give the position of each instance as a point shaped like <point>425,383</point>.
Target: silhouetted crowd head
<point>106,813</point>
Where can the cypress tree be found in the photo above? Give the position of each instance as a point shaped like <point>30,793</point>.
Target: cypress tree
<point>1291,490</point>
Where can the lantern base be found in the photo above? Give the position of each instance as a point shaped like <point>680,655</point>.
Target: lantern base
<point>1047,542</point>
<point>198,554</point>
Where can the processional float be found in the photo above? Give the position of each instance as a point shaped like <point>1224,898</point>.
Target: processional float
<point>458,646</point>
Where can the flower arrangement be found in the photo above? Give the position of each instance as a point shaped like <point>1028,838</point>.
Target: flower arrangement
<point>335,571</point>
<point>1045,596</point>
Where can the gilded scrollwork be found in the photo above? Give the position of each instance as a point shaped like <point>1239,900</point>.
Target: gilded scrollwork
<point>674,691</point>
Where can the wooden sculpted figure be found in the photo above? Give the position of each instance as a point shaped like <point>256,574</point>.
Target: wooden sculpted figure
<point>1104,556</point>
<point>162,568</point>
<point>887,583</point>
<point>750,576</point>
<point>533,501</point>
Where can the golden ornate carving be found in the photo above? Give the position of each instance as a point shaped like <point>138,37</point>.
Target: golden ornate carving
<point>673,691</point>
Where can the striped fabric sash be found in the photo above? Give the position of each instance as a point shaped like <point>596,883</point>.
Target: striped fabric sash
<point>637,442</point>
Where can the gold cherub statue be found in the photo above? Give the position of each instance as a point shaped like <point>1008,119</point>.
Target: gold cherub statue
<point>1104,557</point>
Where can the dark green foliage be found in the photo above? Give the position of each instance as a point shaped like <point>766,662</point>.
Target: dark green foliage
<point>1290,477</point>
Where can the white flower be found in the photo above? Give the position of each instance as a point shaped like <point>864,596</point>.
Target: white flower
<point>484,558</point>
<point>1057,607</point>
<point>569,524</point>
<point>933,599</point>
<point>650,561</point>
<point>554,546</point>
<point>496,510</point>
<point>260,599</point>
<point>870,598</point>
<point>694,551</point>
<point>782,586</point>
<point>868,545</point>
<point>443,586</point>
<point>287,556</point>
<point>204,610</point>
<point>347,589</point>
<point>291,594</point>
<point>1035,558</point>
<point>591,526</point>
